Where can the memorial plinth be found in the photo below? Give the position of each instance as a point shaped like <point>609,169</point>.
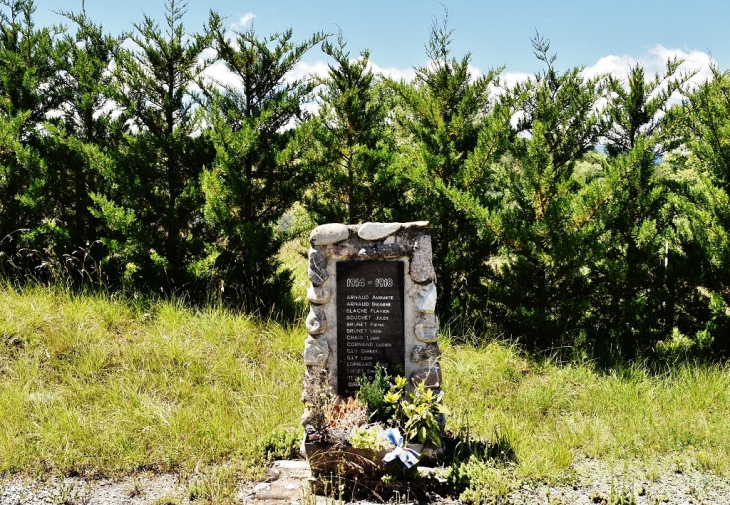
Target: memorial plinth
<point>373,301</point>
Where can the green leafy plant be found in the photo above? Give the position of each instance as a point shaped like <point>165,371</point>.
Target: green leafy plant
<point>422,413</point>
<point>369,437</point>
<point>282,444</point>
<point>417,412</point>
<point>393,401</point>
<point>372,393</point>
<point>480,481</point>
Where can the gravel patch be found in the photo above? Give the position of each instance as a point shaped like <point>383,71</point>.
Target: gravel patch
<point>141,489</point>
<point>597,482</point>
<point>593,482</point>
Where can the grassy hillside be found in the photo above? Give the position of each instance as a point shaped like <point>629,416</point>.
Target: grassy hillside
<point>554,415</point>
<point>93,384</point>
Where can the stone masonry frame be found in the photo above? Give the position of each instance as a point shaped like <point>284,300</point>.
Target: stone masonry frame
<point>408,242</point>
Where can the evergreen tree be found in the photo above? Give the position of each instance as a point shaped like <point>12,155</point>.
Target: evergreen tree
<point>152,200</point>
<point>634,280</point>
<point>637,106</point>
<point>258,171</point>
<point>76,144</point>
<point>28,84</point>
<point>354,145</point>
<point>442,113</point>
<point>539,210</point>
<point>703,124</point>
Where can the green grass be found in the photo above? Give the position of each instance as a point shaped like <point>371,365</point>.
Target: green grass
<point>293,256</point>
<point>552,415</point>
<point>101,386</point>
<point>90,385</point>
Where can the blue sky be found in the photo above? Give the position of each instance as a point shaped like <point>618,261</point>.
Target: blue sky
<point>604,36</point>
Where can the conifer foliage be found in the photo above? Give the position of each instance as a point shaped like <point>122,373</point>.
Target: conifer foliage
<point>258,172</point>
<point>572,213</point>
<point>537,210</point>
<point>703,125</point>
<point>80,140</point>
<point>151,202</point>
<point>441,115</point>
<point>29,82</point>
<point>354,144</point>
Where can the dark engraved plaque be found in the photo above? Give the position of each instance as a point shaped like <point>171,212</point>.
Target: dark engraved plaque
<point>369,321</point>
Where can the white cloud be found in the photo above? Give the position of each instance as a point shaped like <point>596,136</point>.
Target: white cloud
<point>509,79</point>
<point>304,69</point>
<point>654,61</point>
<point>208,53</point>
<point>475,72</point>
<point>219,73</point>
<point>395,73</point>
<point>320,69</point>
<point>243,21</point>
<point>409,74</point>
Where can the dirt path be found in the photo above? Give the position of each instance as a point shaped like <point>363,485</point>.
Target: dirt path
<point>595,482</point>
<point>288,484</point>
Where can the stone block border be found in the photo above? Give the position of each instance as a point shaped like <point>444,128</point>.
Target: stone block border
<point>409,242</point>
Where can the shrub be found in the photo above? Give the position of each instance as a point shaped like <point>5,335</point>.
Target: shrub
<point>372,394</point>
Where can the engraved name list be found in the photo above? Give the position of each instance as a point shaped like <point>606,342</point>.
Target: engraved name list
<point>369,321</point>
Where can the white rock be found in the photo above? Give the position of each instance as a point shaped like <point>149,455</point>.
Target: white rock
<point>315,323</point>
<point>318,296</point>
<point>317,269</point>
<point>376,231</point>
<point>427,299</point>
<point>329,234</point>
<point>421,266</point>
<point>427,333</point>
<point>316,351</point>
<point>415,224</point>
<point>262,487</point>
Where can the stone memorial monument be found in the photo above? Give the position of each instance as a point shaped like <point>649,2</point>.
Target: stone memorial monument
<point>373,297</point>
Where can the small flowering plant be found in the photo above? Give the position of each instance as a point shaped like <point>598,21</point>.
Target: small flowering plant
<point>417,413</point>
